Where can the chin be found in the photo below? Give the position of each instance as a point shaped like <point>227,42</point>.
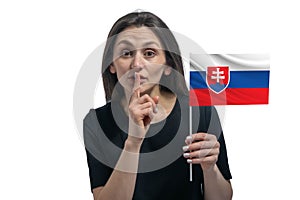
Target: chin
<point>147,88</point>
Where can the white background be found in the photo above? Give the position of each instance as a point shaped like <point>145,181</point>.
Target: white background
<point>43,45</point>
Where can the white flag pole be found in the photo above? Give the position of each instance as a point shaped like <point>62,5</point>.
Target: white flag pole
<point>191,132</point>
<point>187,63</point>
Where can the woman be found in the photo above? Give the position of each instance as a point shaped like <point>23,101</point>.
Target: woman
<point>147,111</point>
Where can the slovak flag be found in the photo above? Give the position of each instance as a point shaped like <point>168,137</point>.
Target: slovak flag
<point>235,79</point>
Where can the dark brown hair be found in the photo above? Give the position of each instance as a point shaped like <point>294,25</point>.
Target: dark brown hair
<point>167,39</point>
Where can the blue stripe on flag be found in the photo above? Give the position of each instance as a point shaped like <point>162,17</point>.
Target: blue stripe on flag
<point>238,79</point>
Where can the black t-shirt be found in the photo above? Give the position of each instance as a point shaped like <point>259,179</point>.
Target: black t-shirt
<point>105,134</point>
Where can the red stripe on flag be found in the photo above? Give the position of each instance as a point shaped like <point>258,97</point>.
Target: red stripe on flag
<point>231,96</point>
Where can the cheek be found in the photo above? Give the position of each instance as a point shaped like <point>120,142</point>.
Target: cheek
<point>156,74</point>
<point>121,67</point>
<point>159,69</point>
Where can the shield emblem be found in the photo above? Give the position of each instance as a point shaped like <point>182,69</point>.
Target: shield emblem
<point>217,78</point>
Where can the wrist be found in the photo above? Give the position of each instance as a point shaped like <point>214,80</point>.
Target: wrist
<point>133,144</point>
<point>211,170</point>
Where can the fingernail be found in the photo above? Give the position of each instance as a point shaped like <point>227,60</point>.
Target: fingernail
<point>189,160</point>
<point>155,109</point>
<point>185,148</point>
<point>189,138</point>
<point>186,155</point>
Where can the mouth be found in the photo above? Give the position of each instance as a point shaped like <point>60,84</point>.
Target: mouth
<point>143,79</point>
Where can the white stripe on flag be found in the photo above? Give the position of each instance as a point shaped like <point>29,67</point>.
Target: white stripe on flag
<point>236,62</point>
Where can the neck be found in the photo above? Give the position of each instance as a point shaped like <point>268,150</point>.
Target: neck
<point>166,99</point>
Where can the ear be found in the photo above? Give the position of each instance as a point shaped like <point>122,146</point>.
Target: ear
<point>167,71</point>
<point>112,69</point>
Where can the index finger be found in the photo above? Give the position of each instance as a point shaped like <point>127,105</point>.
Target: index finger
<point>137,83</point>
<point>200,137</point>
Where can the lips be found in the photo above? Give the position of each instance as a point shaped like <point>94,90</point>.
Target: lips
<point>142,78</point>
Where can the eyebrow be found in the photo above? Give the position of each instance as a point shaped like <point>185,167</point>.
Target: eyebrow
<point>152,42</point>
<point>127,42</point>
<point>124,42</point>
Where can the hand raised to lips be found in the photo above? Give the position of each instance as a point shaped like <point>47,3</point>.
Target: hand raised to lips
<point>142,108</point>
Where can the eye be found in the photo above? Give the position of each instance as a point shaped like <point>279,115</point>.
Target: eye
<point>126,53</point>
<point>149,53</point>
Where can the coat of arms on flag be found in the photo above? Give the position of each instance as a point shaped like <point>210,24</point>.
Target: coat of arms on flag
<point>217,78</point>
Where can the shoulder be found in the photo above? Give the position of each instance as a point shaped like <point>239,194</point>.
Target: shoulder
<point>104,109</point>
<point>100,110</point>
<point>92,117</point>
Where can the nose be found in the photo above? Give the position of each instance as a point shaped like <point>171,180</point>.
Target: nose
<point>138,61</point>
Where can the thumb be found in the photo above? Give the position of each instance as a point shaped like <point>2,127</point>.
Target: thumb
<point>155,99</point>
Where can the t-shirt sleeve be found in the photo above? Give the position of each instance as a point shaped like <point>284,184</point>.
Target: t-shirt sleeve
<point>213,126</point>
<point>99,173</point>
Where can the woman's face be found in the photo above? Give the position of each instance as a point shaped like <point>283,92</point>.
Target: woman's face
<point>138,50</point>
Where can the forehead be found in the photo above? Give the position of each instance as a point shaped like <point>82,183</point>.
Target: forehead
<point>138,37</point>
